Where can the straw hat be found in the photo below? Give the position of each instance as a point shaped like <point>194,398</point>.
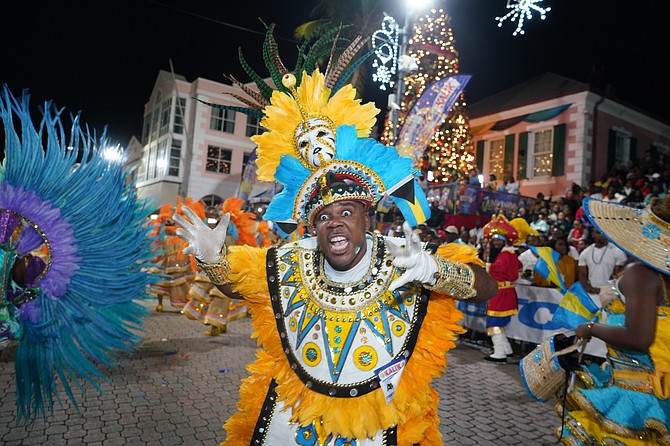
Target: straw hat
<point>638,232</point>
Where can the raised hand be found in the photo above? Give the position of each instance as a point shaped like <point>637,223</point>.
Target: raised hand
<point>418,264</point>
<point>203,242</point>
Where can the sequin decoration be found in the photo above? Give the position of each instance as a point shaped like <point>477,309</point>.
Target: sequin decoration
<point>365,357</point>
<point>311,354</point>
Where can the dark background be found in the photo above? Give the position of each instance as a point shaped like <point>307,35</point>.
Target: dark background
<point>102,57</point>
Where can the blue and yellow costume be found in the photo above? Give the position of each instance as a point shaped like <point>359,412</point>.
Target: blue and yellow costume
<point>626,401</point>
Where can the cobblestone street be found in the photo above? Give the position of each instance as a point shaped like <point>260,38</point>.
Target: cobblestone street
<point>180,386</point>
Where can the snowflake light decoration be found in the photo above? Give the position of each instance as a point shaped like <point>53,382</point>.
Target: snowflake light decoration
<point>522,10</point>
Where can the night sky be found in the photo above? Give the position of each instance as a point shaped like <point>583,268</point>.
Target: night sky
<point>102,57</point>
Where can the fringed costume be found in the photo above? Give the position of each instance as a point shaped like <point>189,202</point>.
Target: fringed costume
<point>74,248</point>
<point>174,270</point>
<point>625,402</point>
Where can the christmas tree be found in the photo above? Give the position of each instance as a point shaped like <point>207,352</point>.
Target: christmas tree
<point>431,45</point>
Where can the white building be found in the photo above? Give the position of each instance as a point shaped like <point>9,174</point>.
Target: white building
<point>190,148</point>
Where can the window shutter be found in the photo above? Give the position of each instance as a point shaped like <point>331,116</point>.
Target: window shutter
<point>522,158</point>
<point>508,161</point>
<point>558,161</point>
<point>632,154</point>
<point>611,148</point>
<point>479,155</point>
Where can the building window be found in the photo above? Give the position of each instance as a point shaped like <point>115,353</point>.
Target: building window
<point>621,149</point>
<point>179,113</point>
<point>496,158</point>
<point>222,120</point>
<point>175,156</point>
<point>166,106</point>
<point>146,130</point>
<point>542,154</point>
<point>218,159</point>
<point>161,158</point>
<point>254,126</point>
<point>142,169</point>
<point>211,200</point>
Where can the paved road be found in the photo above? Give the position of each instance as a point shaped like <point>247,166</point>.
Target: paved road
<point>180,386</point>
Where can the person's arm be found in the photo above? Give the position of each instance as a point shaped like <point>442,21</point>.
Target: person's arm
<point>642,288</point>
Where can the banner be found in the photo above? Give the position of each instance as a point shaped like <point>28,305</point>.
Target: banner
<point>427,114</point>
<point>248,177</point>
<point>470,200</point>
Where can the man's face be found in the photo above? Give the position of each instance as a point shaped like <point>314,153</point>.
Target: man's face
<point>316,141</point>
<point>340,233</point>
<point>598,238</point>
<point>497,243</point>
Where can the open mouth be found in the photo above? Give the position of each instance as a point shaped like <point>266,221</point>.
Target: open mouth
<point>339,244</point>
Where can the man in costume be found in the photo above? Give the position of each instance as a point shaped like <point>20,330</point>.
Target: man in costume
<point>503,266</point>
<point>352,325</point>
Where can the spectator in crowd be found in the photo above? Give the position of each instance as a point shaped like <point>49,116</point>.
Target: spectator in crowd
<point>451,234</point>
<point>541,225</point>
<point>528,258</point>
<point>474,178</point>
<point>512,186</point>
<point>572,200</point>
<point>562,223</point>
<point>599,262</point>
<point>436,215</point>
<point>492,184</point>
<point>577,233</point>
<point>478,231</point>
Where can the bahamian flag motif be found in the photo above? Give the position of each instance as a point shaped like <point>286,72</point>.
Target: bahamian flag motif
<point>547,265</point>
<point>576,308</point>
<point>411,200</point>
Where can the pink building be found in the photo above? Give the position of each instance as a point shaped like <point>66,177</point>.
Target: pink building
<point>551,132</point>
<point>189,148</point>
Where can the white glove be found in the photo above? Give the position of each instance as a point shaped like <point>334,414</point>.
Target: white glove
<point>418,264</point>
<point>203,242</point>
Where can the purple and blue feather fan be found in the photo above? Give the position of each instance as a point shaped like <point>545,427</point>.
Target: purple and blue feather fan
<point>85,312</point>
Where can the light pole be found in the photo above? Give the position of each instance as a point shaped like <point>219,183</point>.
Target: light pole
<point>406,63</point>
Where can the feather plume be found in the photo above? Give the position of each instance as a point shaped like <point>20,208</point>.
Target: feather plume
<point>255,95</point>
<point>344,60</point>
<point>263,87</point>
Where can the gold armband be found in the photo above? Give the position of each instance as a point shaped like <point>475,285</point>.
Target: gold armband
<point>453,278</point>
<point>218,271</point>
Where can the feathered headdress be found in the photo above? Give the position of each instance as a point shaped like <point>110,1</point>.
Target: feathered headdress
<point>316,130</point>
<point>245,224</point>
<point>73,241</point>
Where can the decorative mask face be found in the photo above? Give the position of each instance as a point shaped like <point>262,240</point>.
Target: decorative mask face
<point>315,140</point>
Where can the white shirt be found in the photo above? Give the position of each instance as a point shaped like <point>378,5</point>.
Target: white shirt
<point>601,262</point>
<point>528,260</point>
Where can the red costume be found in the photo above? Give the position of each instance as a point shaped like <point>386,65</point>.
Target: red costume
<point>505,269</point>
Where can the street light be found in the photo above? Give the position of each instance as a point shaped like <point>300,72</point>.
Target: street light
<point>406,63</point>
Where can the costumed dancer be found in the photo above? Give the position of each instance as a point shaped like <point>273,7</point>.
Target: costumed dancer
<point>174,270</point>
<point>502,265</point>
<point>73,241</point>
<point>626,400</point>
<point>207,303</point>
<point>349,341</point>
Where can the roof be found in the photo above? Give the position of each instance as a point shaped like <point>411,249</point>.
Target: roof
<point>541,88</point>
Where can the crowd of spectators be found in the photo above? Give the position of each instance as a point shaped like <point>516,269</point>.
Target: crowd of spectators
<point>559,221</point>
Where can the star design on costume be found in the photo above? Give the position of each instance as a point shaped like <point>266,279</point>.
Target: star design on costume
<point>522,10</point>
